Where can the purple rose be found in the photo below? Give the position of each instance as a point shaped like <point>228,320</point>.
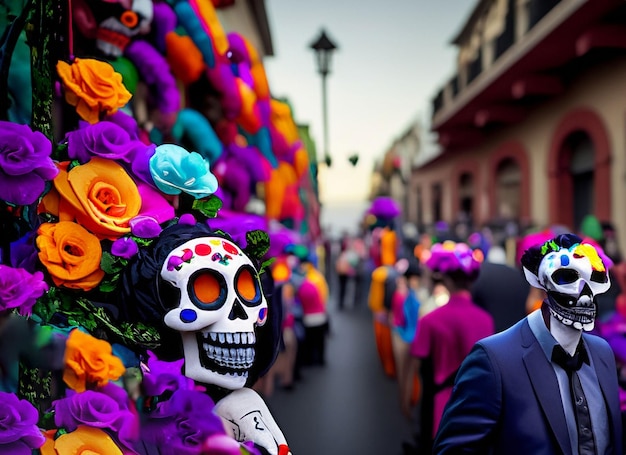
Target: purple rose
<point>104,139</point>
<point>106,409</point>
<point>20,289</point>
<point>124,247</point>
<point>181,424</point>
<point>19,433</point>
<point>161,376</point>
<point>139,155</point>
<point>25,163</point>
<point>126,122</point>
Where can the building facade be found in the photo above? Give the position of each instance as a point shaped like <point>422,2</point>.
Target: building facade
<point>532,126</point>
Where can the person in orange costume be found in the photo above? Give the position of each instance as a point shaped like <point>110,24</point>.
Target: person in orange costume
<point>382,287</point>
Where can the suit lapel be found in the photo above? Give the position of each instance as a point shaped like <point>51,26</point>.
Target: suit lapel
<point>546,388</point>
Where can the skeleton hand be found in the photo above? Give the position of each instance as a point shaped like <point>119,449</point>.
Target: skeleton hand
<point>247,415</point>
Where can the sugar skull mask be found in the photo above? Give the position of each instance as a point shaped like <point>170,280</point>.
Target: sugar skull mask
<point>572,273</point>
<point>113,23</point>
<point>221,304</point>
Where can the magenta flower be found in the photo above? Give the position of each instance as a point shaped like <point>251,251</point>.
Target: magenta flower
<point>451,256</point>
<point>124,247</point>
<point>183,423</point>
<point>25,163</point>
<point>154,204</point>
<point>20,289</point>
<point>226,445</point>
<point>145,227</point>
<point>187,218</point>
<point>106,409</point>
<point>160,376</point>
<point>19,434</point>
<point>173,263</point>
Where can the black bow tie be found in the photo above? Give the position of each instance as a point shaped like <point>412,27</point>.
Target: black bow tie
<point>568,362</point>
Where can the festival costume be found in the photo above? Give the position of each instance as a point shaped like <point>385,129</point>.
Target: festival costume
<point>445,335</point>
<point>515,373</point>
<point>384,255</point>
<point>380,296</point>
<point>443,339</point>
<point>405,311</point>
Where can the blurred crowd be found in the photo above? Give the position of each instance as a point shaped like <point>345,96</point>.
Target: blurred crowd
<point>428,304</point>
<point>452,283</point>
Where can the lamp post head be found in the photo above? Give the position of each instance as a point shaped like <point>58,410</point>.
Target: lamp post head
<point>323,48</point>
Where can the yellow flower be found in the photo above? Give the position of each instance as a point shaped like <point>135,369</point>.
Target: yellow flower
<point>71,254</point>
<point>100,195</point>
<point>93,87</point>
<point>85,441</point>
<point>89,361</point>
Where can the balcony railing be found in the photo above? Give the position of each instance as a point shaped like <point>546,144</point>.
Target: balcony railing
<point>475,67</point>
<point>537,9</point>
<point>438,101</point>
<point>507,37</point>
<point>454,86</point>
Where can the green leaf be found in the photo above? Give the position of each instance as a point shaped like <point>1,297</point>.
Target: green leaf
<point>111,264</point>
<point>109,285</point>
<point>59,152</point>
<point>208,206</point>
<point>46,421</point>
<point>266,264</point>
<point>257,243</point>
<point>141,241</point>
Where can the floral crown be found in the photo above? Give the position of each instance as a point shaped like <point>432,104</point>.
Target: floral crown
<point>449,257</point>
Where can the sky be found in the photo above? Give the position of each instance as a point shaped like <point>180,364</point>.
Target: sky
<point>392,58</point>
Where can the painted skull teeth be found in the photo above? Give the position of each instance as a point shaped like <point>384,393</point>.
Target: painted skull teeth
<point>571,311</point>
<point>227,353</point>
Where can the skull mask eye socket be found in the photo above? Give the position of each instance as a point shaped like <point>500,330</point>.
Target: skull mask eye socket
<point>247,286</point>
<point>207,289</point>
<point>565,276</point>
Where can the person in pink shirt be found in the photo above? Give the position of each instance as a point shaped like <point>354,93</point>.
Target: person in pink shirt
<point>445,336</point>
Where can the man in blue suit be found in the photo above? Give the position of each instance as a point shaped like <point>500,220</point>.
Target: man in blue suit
<point>542,386</point>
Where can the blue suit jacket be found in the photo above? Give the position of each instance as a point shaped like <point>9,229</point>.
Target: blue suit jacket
<point>506,398</point>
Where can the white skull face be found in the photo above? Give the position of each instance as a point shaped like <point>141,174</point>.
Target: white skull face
<point>573,277</point>
<point>220,306</point>
<point>124,20</point>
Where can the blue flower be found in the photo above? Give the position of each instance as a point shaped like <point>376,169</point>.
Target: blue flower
<point>175,170</point>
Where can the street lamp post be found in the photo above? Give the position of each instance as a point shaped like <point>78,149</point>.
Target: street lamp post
<point>324,48</point>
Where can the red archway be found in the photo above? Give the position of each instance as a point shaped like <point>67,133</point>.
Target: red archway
<point>560,183</point>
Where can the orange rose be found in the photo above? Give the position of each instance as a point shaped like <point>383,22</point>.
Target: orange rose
<point>83,440</point>
<point>48,446</point>
<point>89,361</point>
<point>71,254</point>
<point>93,87</point>
<point>99,195</point>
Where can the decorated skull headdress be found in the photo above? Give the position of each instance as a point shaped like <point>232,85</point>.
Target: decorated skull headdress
<point>572,273</point>
<point>199,287</point>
